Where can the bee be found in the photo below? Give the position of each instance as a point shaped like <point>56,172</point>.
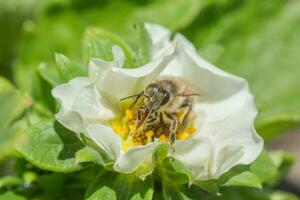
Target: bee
<point>161,103</point>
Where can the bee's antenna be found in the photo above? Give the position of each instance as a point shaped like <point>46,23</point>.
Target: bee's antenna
<point>190,94</point>
<point>135,95</point>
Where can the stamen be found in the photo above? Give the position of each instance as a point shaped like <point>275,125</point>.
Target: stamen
<point>183,136</point>
<point>129,114</point>
<point>163,138</point>
<point>125,128</point>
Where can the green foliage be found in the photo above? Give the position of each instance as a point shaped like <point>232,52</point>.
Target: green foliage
<point>179,192</point>
<point>13,104</point>
<point>52,184</point>
<point>89,154</point>
<point>177,182</point>
<point>112,186</point>
<point>98,43</point>
<point>176,171</point>
<point>208,186</point>
<point>10,196</point>
<point>250,194</point>
<point>10,181</point>
<point>279,195</point>
<point>12,14</point>
<point>67,69</point>
<point>264,167</point>
<point>247,179</point>
<point>174,15</point>
<point>51,147</point>
<point>60,27</point>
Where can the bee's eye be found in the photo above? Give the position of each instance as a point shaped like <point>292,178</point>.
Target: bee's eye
<point>166,98</point>
<point>151,90</point>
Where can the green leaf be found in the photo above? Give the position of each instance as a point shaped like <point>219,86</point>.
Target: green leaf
<point>52,184</point>
<point>49,74</point>
<point>52,147</point>
<point>247,179</point>
<point>13,104</point>
<point>264,167</point>
<point>68,70</point>
<point>283,161</point>
<point>209,186</point>
<point>10,196</point>
<point>98,43</point>
<point>280,195</point>
<point>112,186</point>
<point>89,154</point>
<point>160,154</point>
<point>176,171</point>
<point>10,181</point>
<point>244,193</point>
<point>176,14</point>
<point>231,173</point>
<point>181,192</point>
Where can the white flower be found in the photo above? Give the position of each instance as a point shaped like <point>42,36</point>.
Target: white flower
<point>225,135</point>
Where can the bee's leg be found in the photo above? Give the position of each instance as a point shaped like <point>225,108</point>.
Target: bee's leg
<point>151,122</point>
<point>136,99</point>
<point>139,113</point>
<point>173,129</point>
<point>188,107</point>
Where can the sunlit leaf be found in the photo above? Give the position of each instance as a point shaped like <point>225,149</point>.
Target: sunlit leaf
<point>13,104</point>
<point>88,154</point>
<point>247,179</point>
<point>50,146</point>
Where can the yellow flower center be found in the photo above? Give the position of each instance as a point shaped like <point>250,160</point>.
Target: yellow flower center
<point>125,128</point>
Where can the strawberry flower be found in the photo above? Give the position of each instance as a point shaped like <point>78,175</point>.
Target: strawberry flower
<point>222,134</point>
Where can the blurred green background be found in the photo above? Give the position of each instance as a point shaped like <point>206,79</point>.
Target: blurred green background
<point>256,39</point>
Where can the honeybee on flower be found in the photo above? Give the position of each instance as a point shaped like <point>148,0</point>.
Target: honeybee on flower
<point>210,133</point>
<point>164,112</point>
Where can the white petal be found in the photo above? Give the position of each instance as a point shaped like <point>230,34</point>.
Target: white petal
<point>235,139</point>
<point>119,56</point>
<point>81,104</point>
<point>158,34</point>
<point>196,154</point>
<point>135,157</point>
<point>229,142</point>
<point>106,139</point>
<point>160,37</point>
<point>71,120</point>
<point>225,116</point>
<point>116,83</point>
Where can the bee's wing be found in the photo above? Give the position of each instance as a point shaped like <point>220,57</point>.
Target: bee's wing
<point>191,90</point>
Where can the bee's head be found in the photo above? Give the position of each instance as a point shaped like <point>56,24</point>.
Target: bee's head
<point>156,96</point>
